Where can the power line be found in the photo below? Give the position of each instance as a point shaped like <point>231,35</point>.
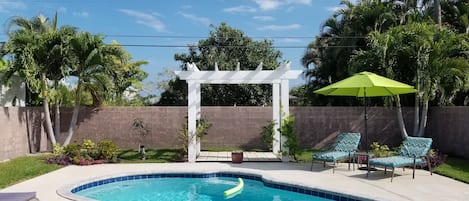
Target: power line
<point>261,37</point>
<point>224,46</point>
<point>220,46</point>
<point>228,37</point>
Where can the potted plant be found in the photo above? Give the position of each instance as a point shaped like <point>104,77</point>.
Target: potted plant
<point>237,156</point>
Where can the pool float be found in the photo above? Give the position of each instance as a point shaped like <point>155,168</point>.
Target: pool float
<point>233,191</point>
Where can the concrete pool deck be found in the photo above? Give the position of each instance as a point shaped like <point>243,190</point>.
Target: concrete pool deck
<point>378,186</point>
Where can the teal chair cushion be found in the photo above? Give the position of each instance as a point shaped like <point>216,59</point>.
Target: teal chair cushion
<point>395,161</point>
<point>415,147</point>
<point>347,142</point>
<point>331,155</point>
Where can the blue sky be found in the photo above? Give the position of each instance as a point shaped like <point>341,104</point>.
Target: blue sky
<point>290,22</point>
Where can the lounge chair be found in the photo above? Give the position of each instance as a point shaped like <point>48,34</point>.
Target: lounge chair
<point>413,152</point>
<point>18,196</point>
<point>345,146</point>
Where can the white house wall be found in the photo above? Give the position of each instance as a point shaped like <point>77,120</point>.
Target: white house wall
<point>14,94</point>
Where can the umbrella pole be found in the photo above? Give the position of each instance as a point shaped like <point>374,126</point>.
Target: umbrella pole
<point>366,119</point>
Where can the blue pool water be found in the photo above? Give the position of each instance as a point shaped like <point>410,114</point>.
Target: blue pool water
<point>183,189</point>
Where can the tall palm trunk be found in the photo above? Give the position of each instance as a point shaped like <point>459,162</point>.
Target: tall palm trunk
<point>76,110</point>
<point>437,13</point>
<point>423,119</point>
<point>400,118</point>
<point>57,120</point>
<point>417,108</point>
<point>45,104</point>
<point>57,115</point>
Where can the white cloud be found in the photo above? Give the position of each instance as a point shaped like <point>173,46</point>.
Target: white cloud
<point>266,5</point>
<point>62,10</point>
<point>8,6</point>
<point>200,20</point>
<point>145,19</point>
<point>263,18</point>
<point>280,27</point>
<point>301,2</point>
<point>81,14</point>
<point>240,9</point>
<point>334,9</point>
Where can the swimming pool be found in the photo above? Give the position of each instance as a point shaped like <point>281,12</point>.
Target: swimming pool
<point>201,187</point>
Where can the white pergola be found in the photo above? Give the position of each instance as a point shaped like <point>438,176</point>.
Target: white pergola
<point>279,78</point>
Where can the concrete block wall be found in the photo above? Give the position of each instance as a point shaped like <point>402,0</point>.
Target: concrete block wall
<point>22,128</point>
<point>115,123</point>
<point>449,129</point>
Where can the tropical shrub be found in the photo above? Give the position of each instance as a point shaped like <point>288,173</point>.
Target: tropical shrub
<point>267,133</point>
<point>380,150</point>
<point>107,150</point>
<point>287,129</point>
<point>72,150</point>
<point>436,158</point>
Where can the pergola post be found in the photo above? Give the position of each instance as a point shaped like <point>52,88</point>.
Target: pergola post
<point>191,121</point>
<point>276,117</point>
<point>285,111</point>
<point>198,112</point>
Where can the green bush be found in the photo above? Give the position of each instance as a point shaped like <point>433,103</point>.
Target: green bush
<point>58,150</point>
<point>380,150</point>
<point>88,144</point>
<point>287,129</point>
<point>267,133</point>
<point>72,150</point>
<point>107,150</point>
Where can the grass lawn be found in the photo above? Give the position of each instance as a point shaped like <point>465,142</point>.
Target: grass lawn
<point>23,168</point>
<point>455,168</point>
<point>152,156</point>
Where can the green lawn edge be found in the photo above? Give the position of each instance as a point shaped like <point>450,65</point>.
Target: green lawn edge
<point>23,168</point>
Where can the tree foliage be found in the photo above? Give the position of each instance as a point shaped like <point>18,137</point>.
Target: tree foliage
<point>327,58</point>
<point>45,54</point>
<point>227,47</point>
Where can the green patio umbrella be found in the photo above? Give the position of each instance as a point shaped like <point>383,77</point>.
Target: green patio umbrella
<point>366,84</point>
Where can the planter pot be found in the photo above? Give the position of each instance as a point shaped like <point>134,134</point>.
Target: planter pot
<point>236,157</point>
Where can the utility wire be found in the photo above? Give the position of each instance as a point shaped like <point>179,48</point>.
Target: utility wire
<point>222,46</point>
<point>228,37</point>
<point>261,37</point>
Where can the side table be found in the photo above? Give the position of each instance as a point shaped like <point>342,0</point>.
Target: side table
<point>358,159</point>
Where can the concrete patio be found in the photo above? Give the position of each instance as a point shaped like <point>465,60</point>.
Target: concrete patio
<point>376,187</point>
<point>225,156</point>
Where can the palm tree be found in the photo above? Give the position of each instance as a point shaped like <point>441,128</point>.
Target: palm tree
<point>90,69</point>
<point>38,52</point>
<point>126,74</point>
<point>433,58</point>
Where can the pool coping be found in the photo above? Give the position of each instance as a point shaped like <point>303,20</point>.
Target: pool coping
<point>268,181</point>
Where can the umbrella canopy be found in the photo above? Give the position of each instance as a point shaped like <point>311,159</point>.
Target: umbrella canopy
<point>366,84</point>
